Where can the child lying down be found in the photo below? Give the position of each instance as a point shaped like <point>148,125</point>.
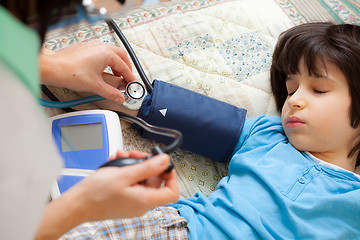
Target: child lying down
<point>290,177</point>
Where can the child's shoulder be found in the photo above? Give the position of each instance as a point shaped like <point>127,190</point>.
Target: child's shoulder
<point>261,130</point>
<point>262,125</point>
<point>265,126</point>
<point>264,121</point>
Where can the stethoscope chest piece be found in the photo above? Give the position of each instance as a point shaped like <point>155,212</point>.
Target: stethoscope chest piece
<point>134,95</point>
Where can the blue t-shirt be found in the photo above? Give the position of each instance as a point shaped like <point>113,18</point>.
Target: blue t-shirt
<point>273,191</point>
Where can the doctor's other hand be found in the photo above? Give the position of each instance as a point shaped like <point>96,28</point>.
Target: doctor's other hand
<point>119,192</point>
<point>81,66</point>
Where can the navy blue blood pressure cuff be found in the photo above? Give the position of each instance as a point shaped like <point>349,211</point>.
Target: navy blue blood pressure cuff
<point>210,127</point>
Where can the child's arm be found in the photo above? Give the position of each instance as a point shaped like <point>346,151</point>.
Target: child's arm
<point>210,127</point>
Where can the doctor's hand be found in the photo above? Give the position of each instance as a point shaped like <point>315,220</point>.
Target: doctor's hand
<point>118,192</point>
<point>111,192</point>
<point>81,66</point>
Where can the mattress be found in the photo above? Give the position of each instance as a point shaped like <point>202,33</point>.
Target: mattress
<point>219,48</point>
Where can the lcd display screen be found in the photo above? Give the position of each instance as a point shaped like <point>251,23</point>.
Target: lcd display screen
<point>81,137</point>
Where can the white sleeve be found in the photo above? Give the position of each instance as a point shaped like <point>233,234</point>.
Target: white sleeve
<point>29,161</point>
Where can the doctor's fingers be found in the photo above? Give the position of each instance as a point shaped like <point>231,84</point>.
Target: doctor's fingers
<point>168,193</point>
<point>122,53</point>
<point>108,87</point>
<point>131,154</point>
<point>111,93</point>
<point>138,154</point>
<point>154,166</point>
<point>120,63</point>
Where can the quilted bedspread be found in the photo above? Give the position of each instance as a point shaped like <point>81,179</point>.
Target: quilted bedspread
<point>219,48</point>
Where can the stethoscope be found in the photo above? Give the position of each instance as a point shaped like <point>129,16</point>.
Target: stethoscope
<point>134,92</point>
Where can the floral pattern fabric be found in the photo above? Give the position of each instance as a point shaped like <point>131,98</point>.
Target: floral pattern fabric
<point>220,48</point>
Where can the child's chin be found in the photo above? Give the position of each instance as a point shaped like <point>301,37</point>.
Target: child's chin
<point>299,143</point>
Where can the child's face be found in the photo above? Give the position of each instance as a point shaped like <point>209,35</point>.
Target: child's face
<point>315,115</point>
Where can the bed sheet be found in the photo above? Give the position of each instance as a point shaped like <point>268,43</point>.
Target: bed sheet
<point>219,48</point>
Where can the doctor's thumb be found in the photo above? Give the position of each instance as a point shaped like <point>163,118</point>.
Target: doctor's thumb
<point>111,93</point>
<point>154,166</point>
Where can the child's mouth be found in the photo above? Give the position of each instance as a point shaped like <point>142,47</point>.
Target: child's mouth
<point>294,122</point>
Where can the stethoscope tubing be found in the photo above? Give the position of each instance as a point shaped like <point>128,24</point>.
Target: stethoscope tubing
<point>132,54</point>
<point>172,133</point>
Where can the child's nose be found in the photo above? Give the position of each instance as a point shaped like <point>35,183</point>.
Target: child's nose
<point>296,101</point>
<point>299,106</point>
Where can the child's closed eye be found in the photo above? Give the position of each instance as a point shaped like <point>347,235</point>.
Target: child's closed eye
<point>319,91</point>
<point>291,93</point>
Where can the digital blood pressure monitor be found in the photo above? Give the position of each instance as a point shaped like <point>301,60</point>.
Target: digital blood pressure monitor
<point>85,140</point>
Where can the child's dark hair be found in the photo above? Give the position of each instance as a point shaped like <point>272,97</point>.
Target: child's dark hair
<point>314,42</point>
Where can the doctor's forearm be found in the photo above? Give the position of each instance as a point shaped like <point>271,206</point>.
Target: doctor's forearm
<point>60,216</point>
<point>48,67</point>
